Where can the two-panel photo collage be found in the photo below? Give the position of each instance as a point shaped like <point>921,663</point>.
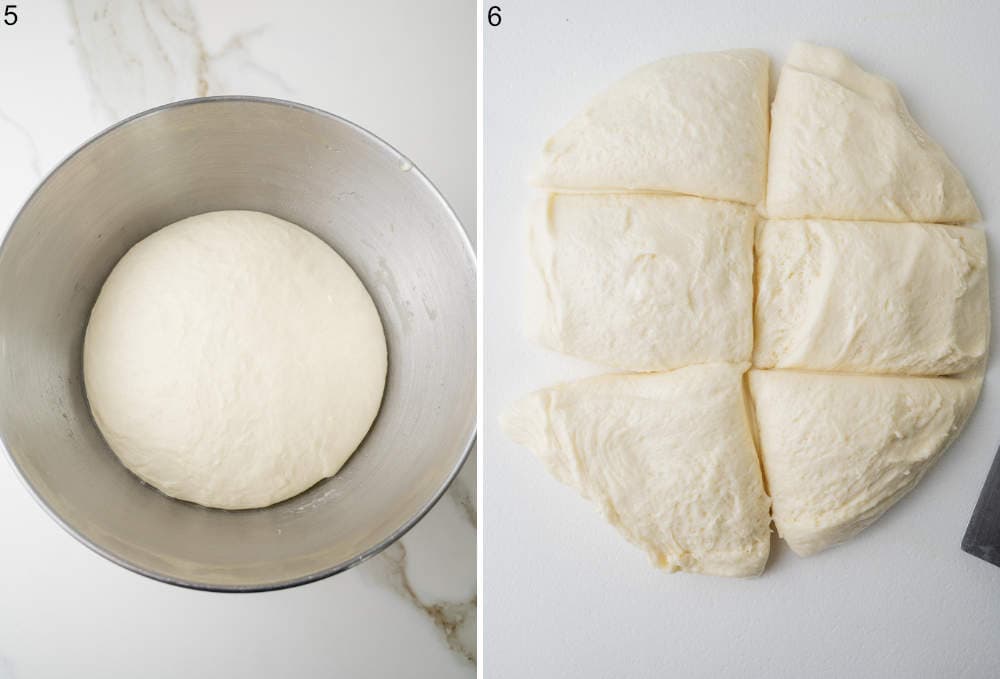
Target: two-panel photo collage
<point>506,339</point>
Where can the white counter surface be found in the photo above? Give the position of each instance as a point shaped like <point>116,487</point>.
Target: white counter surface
<point>406,71</point>
<point>564,595</point>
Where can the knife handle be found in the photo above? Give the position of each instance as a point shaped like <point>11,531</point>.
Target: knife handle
<point>982,537</point>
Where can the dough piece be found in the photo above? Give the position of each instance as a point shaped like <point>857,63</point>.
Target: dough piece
<point>642,282</point>
<point>668,458</point>
<point>693,124</point>
<point>870,297</point>
<point>234,359</point>
<point>839,450</point>
<point>844,146</point>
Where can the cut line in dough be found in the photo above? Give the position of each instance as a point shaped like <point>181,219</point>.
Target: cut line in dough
<point>668,458</point>
<point>844,146</point>
<point>694,124</point>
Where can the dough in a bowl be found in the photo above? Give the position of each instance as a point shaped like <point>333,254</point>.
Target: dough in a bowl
<point>871,297</point>
<point>843,146</point>
<point>642,282</point>
<point>668,458</point>
<point>839,450</point>
<point>693,124</point>
<point>233,359</point>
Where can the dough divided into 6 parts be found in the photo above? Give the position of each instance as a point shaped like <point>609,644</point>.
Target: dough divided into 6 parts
<point>656,282</point>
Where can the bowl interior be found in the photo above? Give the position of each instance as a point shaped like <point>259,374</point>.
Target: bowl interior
<point>310,168</point>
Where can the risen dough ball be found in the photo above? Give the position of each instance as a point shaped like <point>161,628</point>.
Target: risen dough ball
<point>234,359</point>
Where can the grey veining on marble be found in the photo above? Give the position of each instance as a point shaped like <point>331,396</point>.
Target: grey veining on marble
<point>455,619</point>
<point>136,54</point>
<point>164,60</point>
<point>29,141</point>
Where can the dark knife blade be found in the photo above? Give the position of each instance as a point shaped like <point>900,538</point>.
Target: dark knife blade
<point>982,537</point>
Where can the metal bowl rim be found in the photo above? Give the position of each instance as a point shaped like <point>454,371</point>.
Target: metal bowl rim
<point>322,573</point>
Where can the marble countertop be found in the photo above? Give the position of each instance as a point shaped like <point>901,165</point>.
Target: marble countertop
<point>406,71</point>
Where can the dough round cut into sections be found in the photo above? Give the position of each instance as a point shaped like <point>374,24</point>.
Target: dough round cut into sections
<point>234,359</point>
<point>642,282</point>
<point>646,283</point>
<point>870,297</point>
<point>839,450</point>
<point>668,458</point>
<point>843,146</point>
<point>693,124</point>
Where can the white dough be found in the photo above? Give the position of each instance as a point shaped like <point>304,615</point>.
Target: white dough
<point>668,458</point>
<point>870,297</point>
<point>862,275</point>
<point>843,146</point>
<point>234,359</point>
<point>839,450</point>
<point>642,282</point>
<point>693,124</point>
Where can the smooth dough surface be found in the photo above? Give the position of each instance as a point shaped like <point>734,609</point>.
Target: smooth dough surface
<point>843,146</point>
<point>871,297</point>
<point>839,450</point>
<point>642,282</point>
<point>693,124</point>
<point>668,458</point>
<point>233,359</point>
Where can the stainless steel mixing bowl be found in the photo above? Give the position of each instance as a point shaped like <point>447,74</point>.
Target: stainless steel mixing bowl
<point>332,177</point>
